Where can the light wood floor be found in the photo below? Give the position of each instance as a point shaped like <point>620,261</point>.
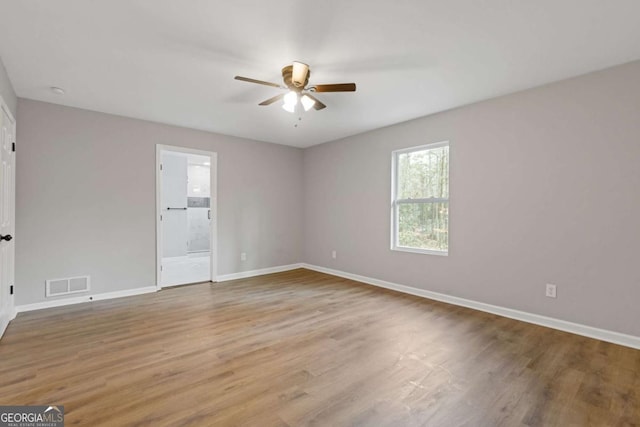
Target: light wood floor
<point>303,348</point>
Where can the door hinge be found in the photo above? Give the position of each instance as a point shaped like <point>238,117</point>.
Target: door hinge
<point>11,290</point>
<point>160,268</point>
<point>160,166</point>
<point>160,217</point>
<point>13,147</point>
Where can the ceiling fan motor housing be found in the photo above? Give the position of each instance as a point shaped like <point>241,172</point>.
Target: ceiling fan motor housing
<point>287,77</point>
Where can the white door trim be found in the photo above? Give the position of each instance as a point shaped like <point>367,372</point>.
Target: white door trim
<point>213,232</point>
<point>10,312</point>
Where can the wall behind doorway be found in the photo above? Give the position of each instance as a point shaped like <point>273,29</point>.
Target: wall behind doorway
<point>86,199</point>
<point>199,202</point>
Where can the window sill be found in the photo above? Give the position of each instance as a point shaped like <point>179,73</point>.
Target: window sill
<point>420,251</point>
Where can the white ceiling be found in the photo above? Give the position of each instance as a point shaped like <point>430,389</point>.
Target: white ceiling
<point>174,61</point>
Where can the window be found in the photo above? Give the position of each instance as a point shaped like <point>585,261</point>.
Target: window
<point>420,199</point>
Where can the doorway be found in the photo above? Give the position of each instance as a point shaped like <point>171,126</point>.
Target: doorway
<point>7,214</point>
<point>186,212</point>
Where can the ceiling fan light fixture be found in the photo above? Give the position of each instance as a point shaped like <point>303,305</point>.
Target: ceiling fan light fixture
<point>289,108</point>
<point>307,102</point>
<point>299,74</point>
<point>290,102</point>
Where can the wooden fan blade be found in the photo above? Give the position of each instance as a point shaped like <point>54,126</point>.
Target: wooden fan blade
<point>318,105</point>
<point>272,100</point>
<point>260,82</point>
<point>337,87</point>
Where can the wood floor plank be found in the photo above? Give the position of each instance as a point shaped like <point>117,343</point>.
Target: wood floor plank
<point>302,348</point>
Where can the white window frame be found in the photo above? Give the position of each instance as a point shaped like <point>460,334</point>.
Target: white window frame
<point>395,203</point>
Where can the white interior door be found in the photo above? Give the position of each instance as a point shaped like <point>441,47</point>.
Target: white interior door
<point>7,214</point>
<point>174,205</point>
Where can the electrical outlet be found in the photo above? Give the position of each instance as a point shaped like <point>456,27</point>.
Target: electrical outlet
<point>243,256</point>
<point>550,290</point>
<point>334,254</point>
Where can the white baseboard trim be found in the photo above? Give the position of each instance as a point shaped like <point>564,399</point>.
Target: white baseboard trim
<point>4,322</point>
<point>5,318</point>
<point>138,291</point>
<point>563,325</point>
<point>85,298</point>
<point>259,272</point>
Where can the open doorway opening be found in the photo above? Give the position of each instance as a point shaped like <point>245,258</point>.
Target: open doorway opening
<point>186,216</point>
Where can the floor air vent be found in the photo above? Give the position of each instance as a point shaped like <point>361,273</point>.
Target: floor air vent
<point>71,285</point>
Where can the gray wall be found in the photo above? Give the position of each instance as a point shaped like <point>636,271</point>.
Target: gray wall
<point>6,90</point>
<point>86,199</point>
<point>545,188</point>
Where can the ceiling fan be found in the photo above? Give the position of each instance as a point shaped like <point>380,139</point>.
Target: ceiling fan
<point>296,78</point>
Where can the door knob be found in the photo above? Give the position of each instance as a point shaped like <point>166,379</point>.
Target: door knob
<point>7,237</point>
